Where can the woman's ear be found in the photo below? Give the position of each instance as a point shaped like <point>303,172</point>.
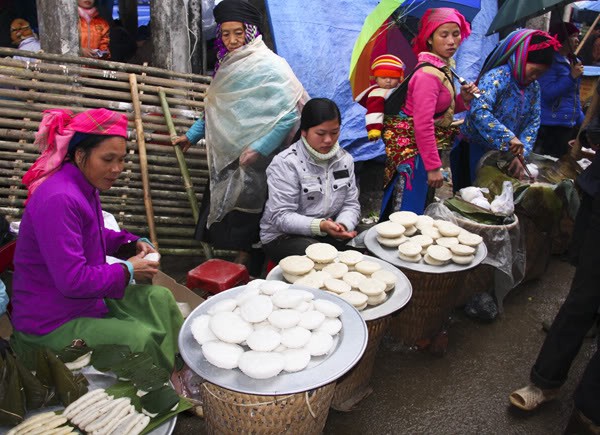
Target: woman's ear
<point>303,133</point>
<point>78,157</point>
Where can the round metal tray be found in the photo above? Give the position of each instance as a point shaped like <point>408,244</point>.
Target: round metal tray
<point>97,380</point>
<point>349,347</point>
<point>391,255</point>
<point>397,298</point>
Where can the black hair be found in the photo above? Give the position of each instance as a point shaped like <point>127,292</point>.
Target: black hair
<point>591,133</point>
<point>317,111</point>
<point>545,56</point>
<point>86,143</point>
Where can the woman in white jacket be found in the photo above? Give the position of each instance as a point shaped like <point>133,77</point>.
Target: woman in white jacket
<point>313,195</point>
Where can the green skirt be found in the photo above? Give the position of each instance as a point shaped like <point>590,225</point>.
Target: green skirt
<point>145,319</point>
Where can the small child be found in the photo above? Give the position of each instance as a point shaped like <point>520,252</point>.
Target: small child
<point>387,71</point>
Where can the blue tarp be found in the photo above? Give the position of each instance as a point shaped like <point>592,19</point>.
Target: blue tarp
<point>316,37</point>
<point>317,42</point>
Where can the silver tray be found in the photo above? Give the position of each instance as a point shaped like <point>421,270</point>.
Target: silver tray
<point>391,255</point>
<point>348,349</point>
<point>397,298</point>
<point>97,380</point>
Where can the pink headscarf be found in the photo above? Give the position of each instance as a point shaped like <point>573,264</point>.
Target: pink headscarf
<point>56,131</point>
<point>434,18</point>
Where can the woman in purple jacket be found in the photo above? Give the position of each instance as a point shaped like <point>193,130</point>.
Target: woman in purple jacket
<point>63,289</point>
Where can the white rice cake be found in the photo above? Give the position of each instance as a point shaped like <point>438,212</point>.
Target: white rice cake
<point>410,249</point>
<point>424,221</point>
<point>284,319</point>
<point>337,285</point>
<point>433,262</point>
<point>222,355</point>
<point>264,339</point>
<point>269,288</point>
<point>353,278</point>
<point>330,309</point>
<point>355,298</point>
<point>311,320</point>
<point>256,308</point>
<point>296,265</point>
<point>367,267</point>
<point>372,287</point>
<point>295,338</point>
<point>405,218</point>
<point>422,240</point>
<point>201,330</point>
<point>462,250</point>
<point>391,243</point>
<point>448,229</point>
<point>293,278</point>
<point>319,344</point>
<point>387,277</point>
<point>389,229</point>
<point>469,239</point>
<point>336,270</point>
<point>321,252</point>
<point>295,360</point>
<point>463,259</point>
<point>350,257</point>
<point>377,299</point>
<point>410,258</point>
<point>439,253</point>
<point>410,231</point>
<point>230,327</point>
<point>290,298</point>
<point>447,242</point>
<point>432,232</point>
<point>330,326</point>
<point>224,305</point>
<point>261,365</point>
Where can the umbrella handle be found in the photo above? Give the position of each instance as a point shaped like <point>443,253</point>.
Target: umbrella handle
<point>463,82</point>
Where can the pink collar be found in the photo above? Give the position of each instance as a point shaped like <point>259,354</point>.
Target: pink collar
<point>434,59</point>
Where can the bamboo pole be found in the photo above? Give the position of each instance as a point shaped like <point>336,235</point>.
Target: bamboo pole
<point>187,182</point>
<point>87,91</point>
<point>112,76</point>
<point>104,64</point>
<point>587,35</point>
<point>143,161</point>
<point>121,82</point>
<point>70,100</point>
<point>40,107</point>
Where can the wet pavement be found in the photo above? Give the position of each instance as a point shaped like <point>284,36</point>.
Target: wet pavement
<point>465,391</point>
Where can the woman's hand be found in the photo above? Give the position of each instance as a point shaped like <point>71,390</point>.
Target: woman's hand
<point>336,230</point>
<point>516,147</point>
<point>468,92</point>
<point>435,178</point>
<point>142,247</point>
<point>516,168</point>
<point>576,70</point>
<point>183,141</point>
<point>248,157</point>
<point>143,270</point>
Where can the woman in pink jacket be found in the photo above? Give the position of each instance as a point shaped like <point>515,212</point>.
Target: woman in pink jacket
<point>423,126</point>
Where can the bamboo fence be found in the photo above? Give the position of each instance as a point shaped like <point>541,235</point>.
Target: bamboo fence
<point>78,84</point>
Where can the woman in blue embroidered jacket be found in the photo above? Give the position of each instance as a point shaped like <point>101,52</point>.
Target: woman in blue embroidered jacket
<point>507,116</point>
<point>561,107</point>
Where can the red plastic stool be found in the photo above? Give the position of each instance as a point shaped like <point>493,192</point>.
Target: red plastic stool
<point>216,275</point>
<point>270,266</point>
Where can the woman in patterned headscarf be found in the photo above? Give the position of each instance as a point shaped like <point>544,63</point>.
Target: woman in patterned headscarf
<point>507,116</point>
<point>63,289</point>
<point>423,125</point>
<point>252,108</point>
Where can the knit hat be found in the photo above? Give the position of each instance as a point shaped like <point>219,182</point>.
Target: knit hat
<point>387,65</point>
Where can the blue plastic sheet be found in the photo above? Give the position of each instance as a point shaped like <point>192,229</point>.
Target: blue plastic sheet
<point>317,42</point>
<point>316,37</point>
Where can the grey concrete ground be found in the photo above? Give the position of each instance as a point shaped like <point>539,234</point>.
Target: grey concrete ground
<point>466,391</point>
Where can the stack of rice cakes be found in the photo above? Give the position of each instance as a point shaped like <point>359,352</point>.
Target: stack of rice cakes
<point>422,238</point>
<point>346,274</point>
<point>267,328</point>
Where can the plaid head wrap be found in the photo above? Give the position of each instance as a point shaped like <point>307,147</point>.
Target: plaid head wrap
<point>434,18</point>
<point>55,134</point>
<point>514,50</point>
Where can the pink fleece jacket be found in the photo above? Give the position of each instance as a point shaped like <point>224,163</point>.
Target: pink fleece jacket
<point>426,96</point>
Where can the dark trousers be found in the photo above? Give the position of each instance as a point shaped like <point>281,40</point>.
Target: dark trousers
<point>575,317</point>
<point>296,245</point>
<point>553,140</point>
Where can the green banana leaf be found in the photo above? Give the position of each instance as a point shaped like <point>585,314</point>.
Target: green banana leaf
<point>69,387</point>
<point>160,401</point>
<point>37,394</point>
<point>127,389</point>
<point>12,397</point>
<point>141,371</point>
<point>105,356</point>
<point>71,353</point>
<point>475,213</point>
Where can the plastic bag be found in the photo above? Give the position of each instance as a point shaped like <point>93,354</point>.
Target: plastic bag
<point>209,25</point>
<point>504,203</point>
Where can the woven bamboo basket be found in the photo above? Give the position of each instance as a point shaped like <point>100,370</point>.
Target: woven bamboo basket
<point>228,412</point>
<point>538,248</point>
<point>432,301</point>
<point>480,279</point>
<point>354,386</point>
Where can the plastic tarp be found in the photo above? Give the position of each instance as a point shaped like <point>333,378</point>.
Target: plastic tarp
<point>473,52</point>
<point>316,37</point>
